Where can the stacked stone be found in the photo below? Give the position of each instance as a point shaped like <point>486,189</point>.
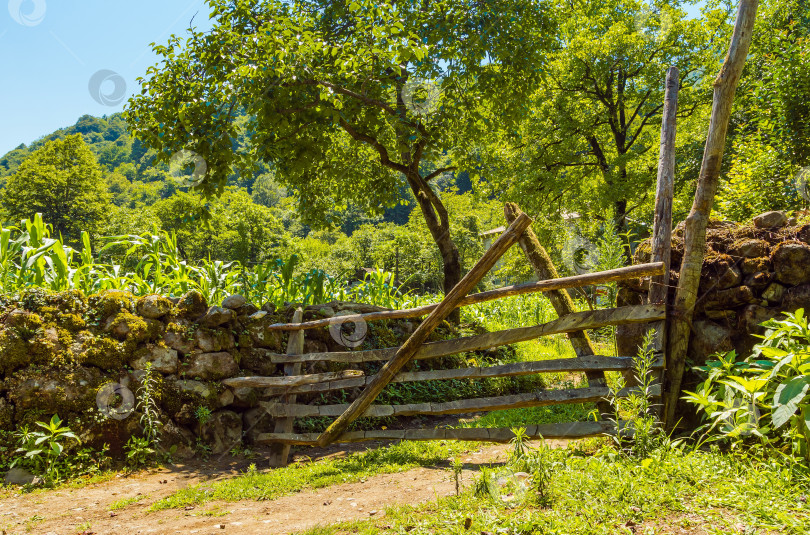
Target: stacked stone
<point>751,273</point>
<point>57,351</point>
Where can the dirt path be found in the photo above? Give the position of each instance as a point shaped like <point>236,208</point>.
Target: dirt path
<point>72,511</point>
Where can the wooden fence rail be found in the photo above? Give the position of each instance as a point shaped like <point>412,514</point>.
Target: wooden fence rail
<point>502,435</point>
<point>562,283</point>
<point>324,383</point>
<point>592,319</point>
<point>495,403</point>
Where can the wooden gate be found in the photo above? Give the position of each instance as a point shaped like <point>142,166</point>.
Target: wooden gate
<point>284,408</point>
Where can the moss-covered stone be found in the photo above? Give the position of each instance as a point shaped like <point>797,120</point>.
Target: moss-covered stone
<point>178,395</point>
<point>104,353</point>
<point>153,306</point>
<point>191,306</point>
<point>25,323</point>
<point>127,326</point>
<point>71,322</point>
<point>110,302</point>
<point>55,391</point>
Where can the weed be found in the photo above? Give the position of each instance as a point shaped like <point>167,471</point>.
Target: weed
<point>42,450</point>
<point>125,502</point>
<point>138,451</point>
<point>636,411</point>
<point>203,414</point>
<point>147,405</point>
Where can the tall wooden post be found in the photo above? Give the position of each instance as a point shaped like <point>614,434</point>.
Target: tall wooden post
<point>664,191</point>
<point>725,86</point>
<point>280,453</point>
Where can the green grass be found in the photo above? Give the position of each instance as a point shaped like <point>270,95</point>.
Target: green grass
<point>254,485</point>
<point>609,494</point>
<point>125,502</point>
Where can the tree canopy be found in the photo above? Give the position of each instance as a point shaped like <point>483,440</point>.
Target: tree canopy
<point>63,181</point>
<point>347,99</point>
<point>589,143</point>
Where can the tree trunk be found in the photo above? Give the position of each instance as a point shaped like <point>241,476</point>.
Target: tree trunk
<point>695,233</point>
<point>438,224</point>
<point>621,227</point>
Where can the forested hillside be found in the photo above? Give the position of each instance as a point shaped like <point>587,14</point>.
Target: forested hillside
<point>255,219</point>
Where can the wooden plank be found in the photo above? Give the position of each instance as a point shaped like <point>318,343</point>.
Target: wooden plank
<point>413,343</point>
<point>280,453</point>
<point>588,279</point>
<point>572,430</point>
<point>725,86</point>
<point>592,319</point>
<point>563,304</point>
<point>514,401</point>
<point>566,365</point>
<point>291,381</point>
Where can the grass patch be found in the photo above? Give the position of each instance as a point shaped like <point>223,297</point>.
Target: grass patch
<point>125,502</point>
<point>608,493</point>
<point>255,485</point>
<point>533,416</point>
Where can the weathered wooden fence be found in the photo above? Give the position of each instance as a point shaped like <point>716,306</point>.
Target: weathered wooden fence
<point>284,408</point>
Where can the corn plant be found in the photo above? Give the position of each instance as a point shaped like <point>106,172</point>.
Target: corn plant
<point>153,263</point>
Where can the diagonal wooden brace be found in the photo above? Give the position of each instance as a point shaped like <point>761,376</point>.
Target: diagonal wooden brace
<point>414,342</point>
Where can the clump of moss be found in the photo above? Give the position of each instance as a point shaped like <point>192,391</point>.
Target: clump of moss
<point>154,329</point>
<point>104,353</point>
<point>191,306</point>
<point>127,326</point>
<point>105,304</point>
<point>14,351</point>
<point>71,322</point>
<point>25,324</point>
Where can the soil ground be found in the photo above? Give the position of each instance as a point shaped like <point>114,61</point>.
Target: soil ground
<point>86,509</point>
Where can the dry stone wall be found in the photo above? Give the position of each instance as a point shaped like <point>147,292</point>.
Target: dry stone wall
<point>84,358</point>
<point>752,272</point>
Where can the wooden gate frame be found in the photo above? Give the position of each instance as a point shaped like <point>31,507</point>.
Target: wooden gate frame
<point>285,409</point>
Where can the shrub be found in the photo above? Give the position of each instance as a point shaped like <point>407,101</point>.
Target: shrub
<point>765,396</point>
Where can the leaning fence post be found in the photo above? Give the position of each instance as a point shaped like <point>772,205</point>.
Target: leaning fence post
<point>725,86</point>
<point>563,304</point>
<point>662,223</point>
<point>280,453</point>
<point>414,342</point>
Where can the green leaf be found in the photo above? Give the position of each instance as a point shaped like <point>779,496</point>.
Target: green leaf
<point>787,398</point>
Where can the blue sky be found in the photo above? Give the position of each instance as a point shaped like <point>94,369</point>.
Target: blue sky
<point>50,50</point>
